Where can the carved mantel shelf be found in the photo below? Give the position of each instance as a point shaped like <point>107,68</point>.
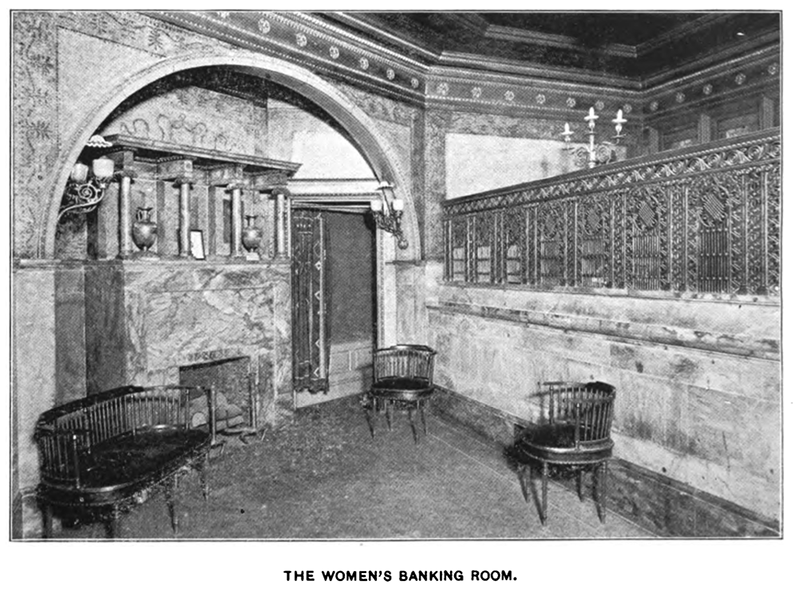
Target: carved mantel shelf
<point>159,152</point>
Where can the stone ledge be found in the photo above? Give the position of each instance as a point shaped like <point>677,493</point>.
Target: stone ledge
<point>736,345</point>
<point>657,503</point>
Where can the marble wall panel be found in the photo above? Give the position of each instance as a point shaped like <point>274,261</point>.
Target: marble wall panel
<point>752,331</point>
<point>152,318</point>
<point>108,357</point>
<point>70,326</point>
<point>477,163</point>
<point>411,314</point>
<point>705,410</point>
<point>35,364</point>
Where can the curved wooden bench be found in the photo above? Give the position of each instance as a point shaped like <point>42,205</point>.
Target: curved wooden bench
<point>105,453</point>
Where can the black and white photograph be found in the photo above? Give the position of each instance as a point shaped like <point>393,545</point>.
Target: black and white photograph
<point>395,275</point>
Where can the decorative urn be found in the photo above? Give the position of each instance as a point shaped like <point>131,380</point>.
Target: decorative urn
<point>252,235</point>
<point>144,230</point>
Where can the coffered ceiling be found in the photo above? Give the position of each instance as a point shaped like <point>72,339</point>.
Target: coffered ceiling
<point>642,45</point>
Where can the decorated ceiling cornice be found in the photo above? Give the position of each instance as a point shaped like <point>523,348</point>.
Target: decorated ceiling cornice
<point>399,68</point>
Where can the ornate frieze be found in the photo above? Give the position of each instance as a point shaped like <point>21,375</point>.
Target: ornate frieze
<point>312,42</point>
<point>702,221</point>
<point>746,76</point>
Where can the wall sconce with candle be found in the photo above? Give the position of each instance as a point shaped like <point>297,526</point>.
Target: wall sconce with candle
<point>86,186</point>
<point>387,212</point>
<point>594,153</point>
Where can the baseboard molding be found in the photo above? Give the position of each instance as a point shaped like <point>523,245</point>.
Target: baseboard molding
<point>659,504</point>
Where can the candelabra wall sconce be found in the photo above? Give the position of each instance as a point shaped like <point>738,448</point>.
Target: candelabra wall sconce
<point>86,186</point>
<point>388,212</point>
<point>595,154</point>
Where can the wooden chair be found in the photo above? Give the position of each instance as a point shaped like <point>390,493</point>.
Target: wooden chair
<point>402,379</point>
<point>574,432</point>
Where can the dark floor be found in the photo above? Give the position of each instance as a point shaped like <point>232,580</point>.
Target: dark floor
<point>323,477</point>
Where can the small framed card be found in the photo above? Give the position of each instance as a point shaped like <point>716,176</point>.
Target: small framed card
<point>197,244</point>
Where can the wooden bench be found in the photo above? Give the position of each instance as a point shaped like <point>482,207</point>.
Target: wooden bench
<point>103,454</point>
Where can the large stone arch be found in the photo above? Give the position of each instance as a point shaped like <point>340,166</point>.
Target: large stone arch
<point>363,131</point>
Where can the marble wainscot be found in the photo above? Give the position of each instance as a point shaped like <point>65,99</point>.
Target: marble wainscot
<point>146,320</point>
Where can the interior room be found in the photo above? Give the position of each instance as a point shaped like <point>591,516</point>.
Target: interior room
<point>230,227</point>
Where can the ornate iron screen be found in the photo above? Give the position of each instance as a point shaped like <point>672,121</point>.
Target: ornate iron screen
<point>703,220</point>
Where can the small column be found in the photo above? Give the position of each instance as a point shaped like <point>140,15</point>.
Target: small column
<point>283,222</point>
<point>184,216</point>
<point>237,219</point>
<point>126,177</point>
<point>280,237</point>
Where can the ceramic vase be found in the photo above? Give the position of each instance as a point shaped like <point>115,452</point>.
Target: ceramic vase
<point>252,235</point>
<point>144,230</point>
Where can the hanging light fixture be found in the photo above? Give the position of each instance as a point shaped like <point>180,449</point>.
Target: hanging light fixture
<point>387,212</point>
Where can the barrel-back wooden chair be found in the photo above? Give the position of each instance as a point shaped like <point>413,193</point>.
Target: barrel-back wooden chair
<point>403,380</point>
<point>575,432</point>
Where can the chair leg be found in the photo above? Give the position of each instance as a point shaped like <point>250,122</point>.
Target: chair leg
<point>525,474</point>
<point>388,410</point>
<point>601,473</point>
<point>369,412</point>
<point>544,486</point>
<point>412,419</point>
<point>170,492</point>
<point>579,484</point>
<point>422,416</point>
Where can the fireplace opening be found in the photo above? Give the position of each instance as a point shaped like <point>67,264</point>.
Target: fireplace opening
<point>231,380</point>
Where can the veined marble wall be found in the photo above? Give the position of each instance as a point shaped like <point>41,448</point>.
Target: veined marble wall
<point>698,380</point>
<point>149,319</point>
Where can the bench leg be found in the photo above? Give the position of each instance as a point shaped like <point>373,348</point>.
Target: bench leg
<point>170,491</point>
<point>112,528</point>
<point>46,513</point>
<point>544,487</point>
